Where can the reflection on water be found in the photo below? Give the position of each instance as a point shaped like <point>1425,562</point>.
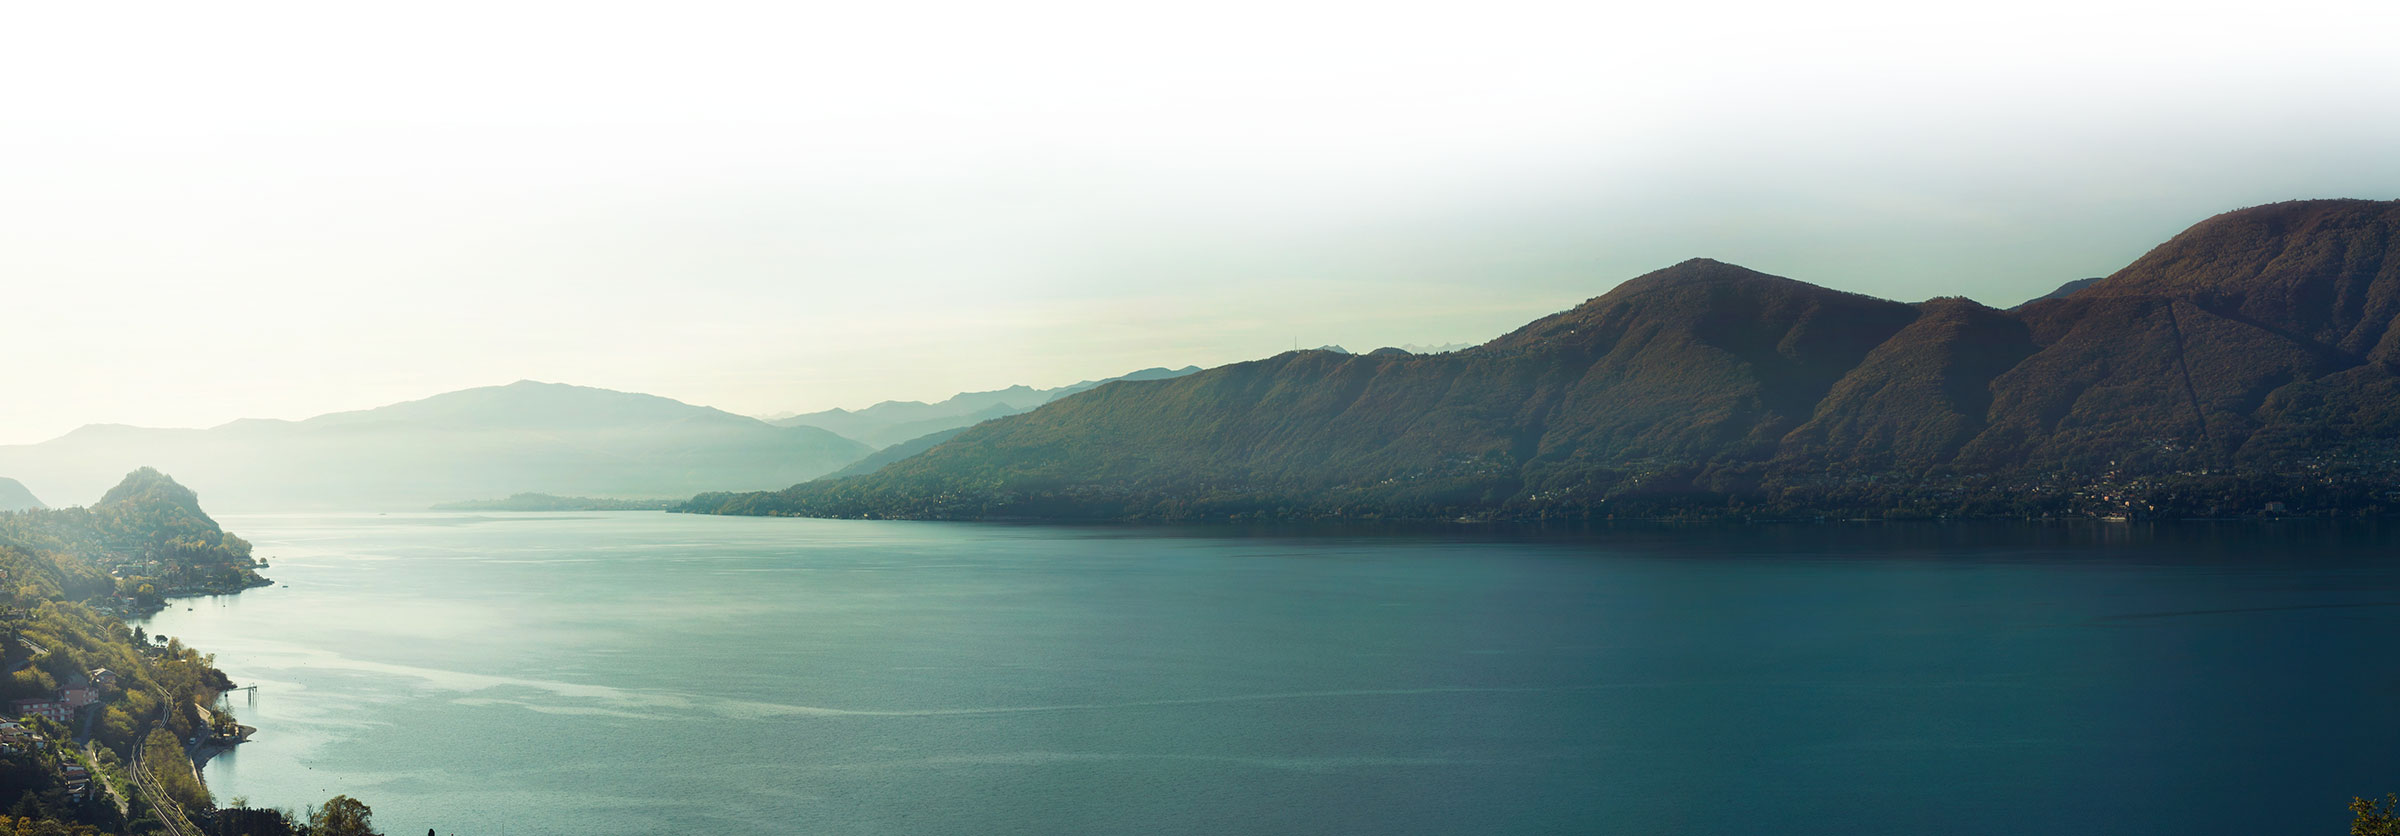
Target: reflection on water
<point>645,673</point>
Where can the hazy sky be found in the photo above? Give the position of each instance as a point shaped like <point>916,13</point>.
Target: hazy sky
<point>212,211</point>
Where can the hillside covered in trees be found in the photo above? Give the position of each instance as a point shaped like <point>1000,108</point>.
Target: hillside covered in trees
<point>145,539</point>
<point>2251,363</point>
<point>65,575</point>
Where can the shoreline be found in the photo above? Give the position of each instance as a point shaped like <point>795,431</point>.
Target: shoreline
<point>207,750</point>
<point>199,754</point>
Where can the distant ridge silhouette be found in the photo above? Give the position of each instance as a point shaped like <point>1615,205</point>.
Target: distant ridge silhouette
<point>490,441</point>
<point>893,422</point>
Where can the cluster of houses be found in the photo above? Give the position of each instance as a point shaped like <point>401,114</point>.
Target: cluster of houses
<point>78,780</point>
<point>16,738</point>
<point>61,708</point>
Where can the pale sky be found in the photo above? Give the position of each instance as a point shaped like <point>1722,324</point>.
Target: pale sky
<point>216,211</point>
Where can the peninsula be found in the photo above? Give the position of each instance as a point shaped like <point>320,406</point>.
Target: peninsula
<point>103,718</point>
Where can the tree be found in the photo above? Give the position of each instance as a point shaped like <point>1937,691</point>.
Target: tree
<point>2376,817</point>
<point>241,819</point>
<point>341,816</point>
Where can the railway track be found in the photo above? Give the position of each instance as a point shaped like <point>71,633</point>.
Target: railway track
<point>170,814</point>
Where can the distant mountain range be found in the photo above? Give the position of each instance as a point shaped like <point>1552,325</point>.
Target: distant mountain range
<point>893,422</point>
<point>881,458</point>
<point>2251,360</point>
<point>14,496</point>
<point>2064,290</point>
<point>492,441</point>
<point>1411,348</point>
<point>1443,348</point>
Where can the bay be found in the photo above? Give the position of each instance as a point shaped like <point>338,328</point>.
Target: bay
<point>637,673</point>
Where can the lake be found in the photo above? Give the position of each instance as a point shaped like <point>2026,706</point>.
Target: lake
<point>643,673</point>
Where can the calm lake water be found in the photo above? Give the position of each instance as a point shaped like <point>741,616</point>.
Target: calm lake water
<point>645,673</point>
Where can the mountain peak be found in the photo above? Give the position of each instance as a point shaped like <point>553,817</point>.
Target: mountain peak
<point>1709,295</point>
<point>1702,269</point>
<point>2277,243</point>
<point>2292,215</point>
<point>1711,278</point>
<point>148,484</point>
<point>2226,368</point>
<point>2325,271</point>
<point>533,403</point>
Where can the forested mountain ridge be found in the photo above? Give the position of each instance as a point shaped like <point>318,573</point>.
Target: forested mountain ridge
<point>2251,358</point>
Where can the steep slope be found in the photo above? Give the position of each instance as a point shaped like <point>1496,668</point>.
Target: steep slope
<point>2253,355</point>
<point>1703,361</point>
<point>2172,361</point>
<point>2320,272</point>
<point>1917,398</point>
<point>492,441</point>
<point>2148,382</point>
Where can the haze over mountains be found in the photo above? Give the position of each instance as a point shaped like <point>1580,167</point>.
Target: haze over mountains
<point>893,422</point>
<point>14,496</point>
<point>2255,352</point>
<point>475,443</point>
<point>1410,348</point>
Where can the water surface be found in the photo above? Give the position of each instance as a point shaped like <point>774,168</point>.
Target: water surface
<point>643,673</point>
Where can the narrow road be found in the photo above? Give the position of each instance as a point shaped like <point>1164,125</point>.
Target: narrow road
<point>86,716</point>
<point>115,793</point>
